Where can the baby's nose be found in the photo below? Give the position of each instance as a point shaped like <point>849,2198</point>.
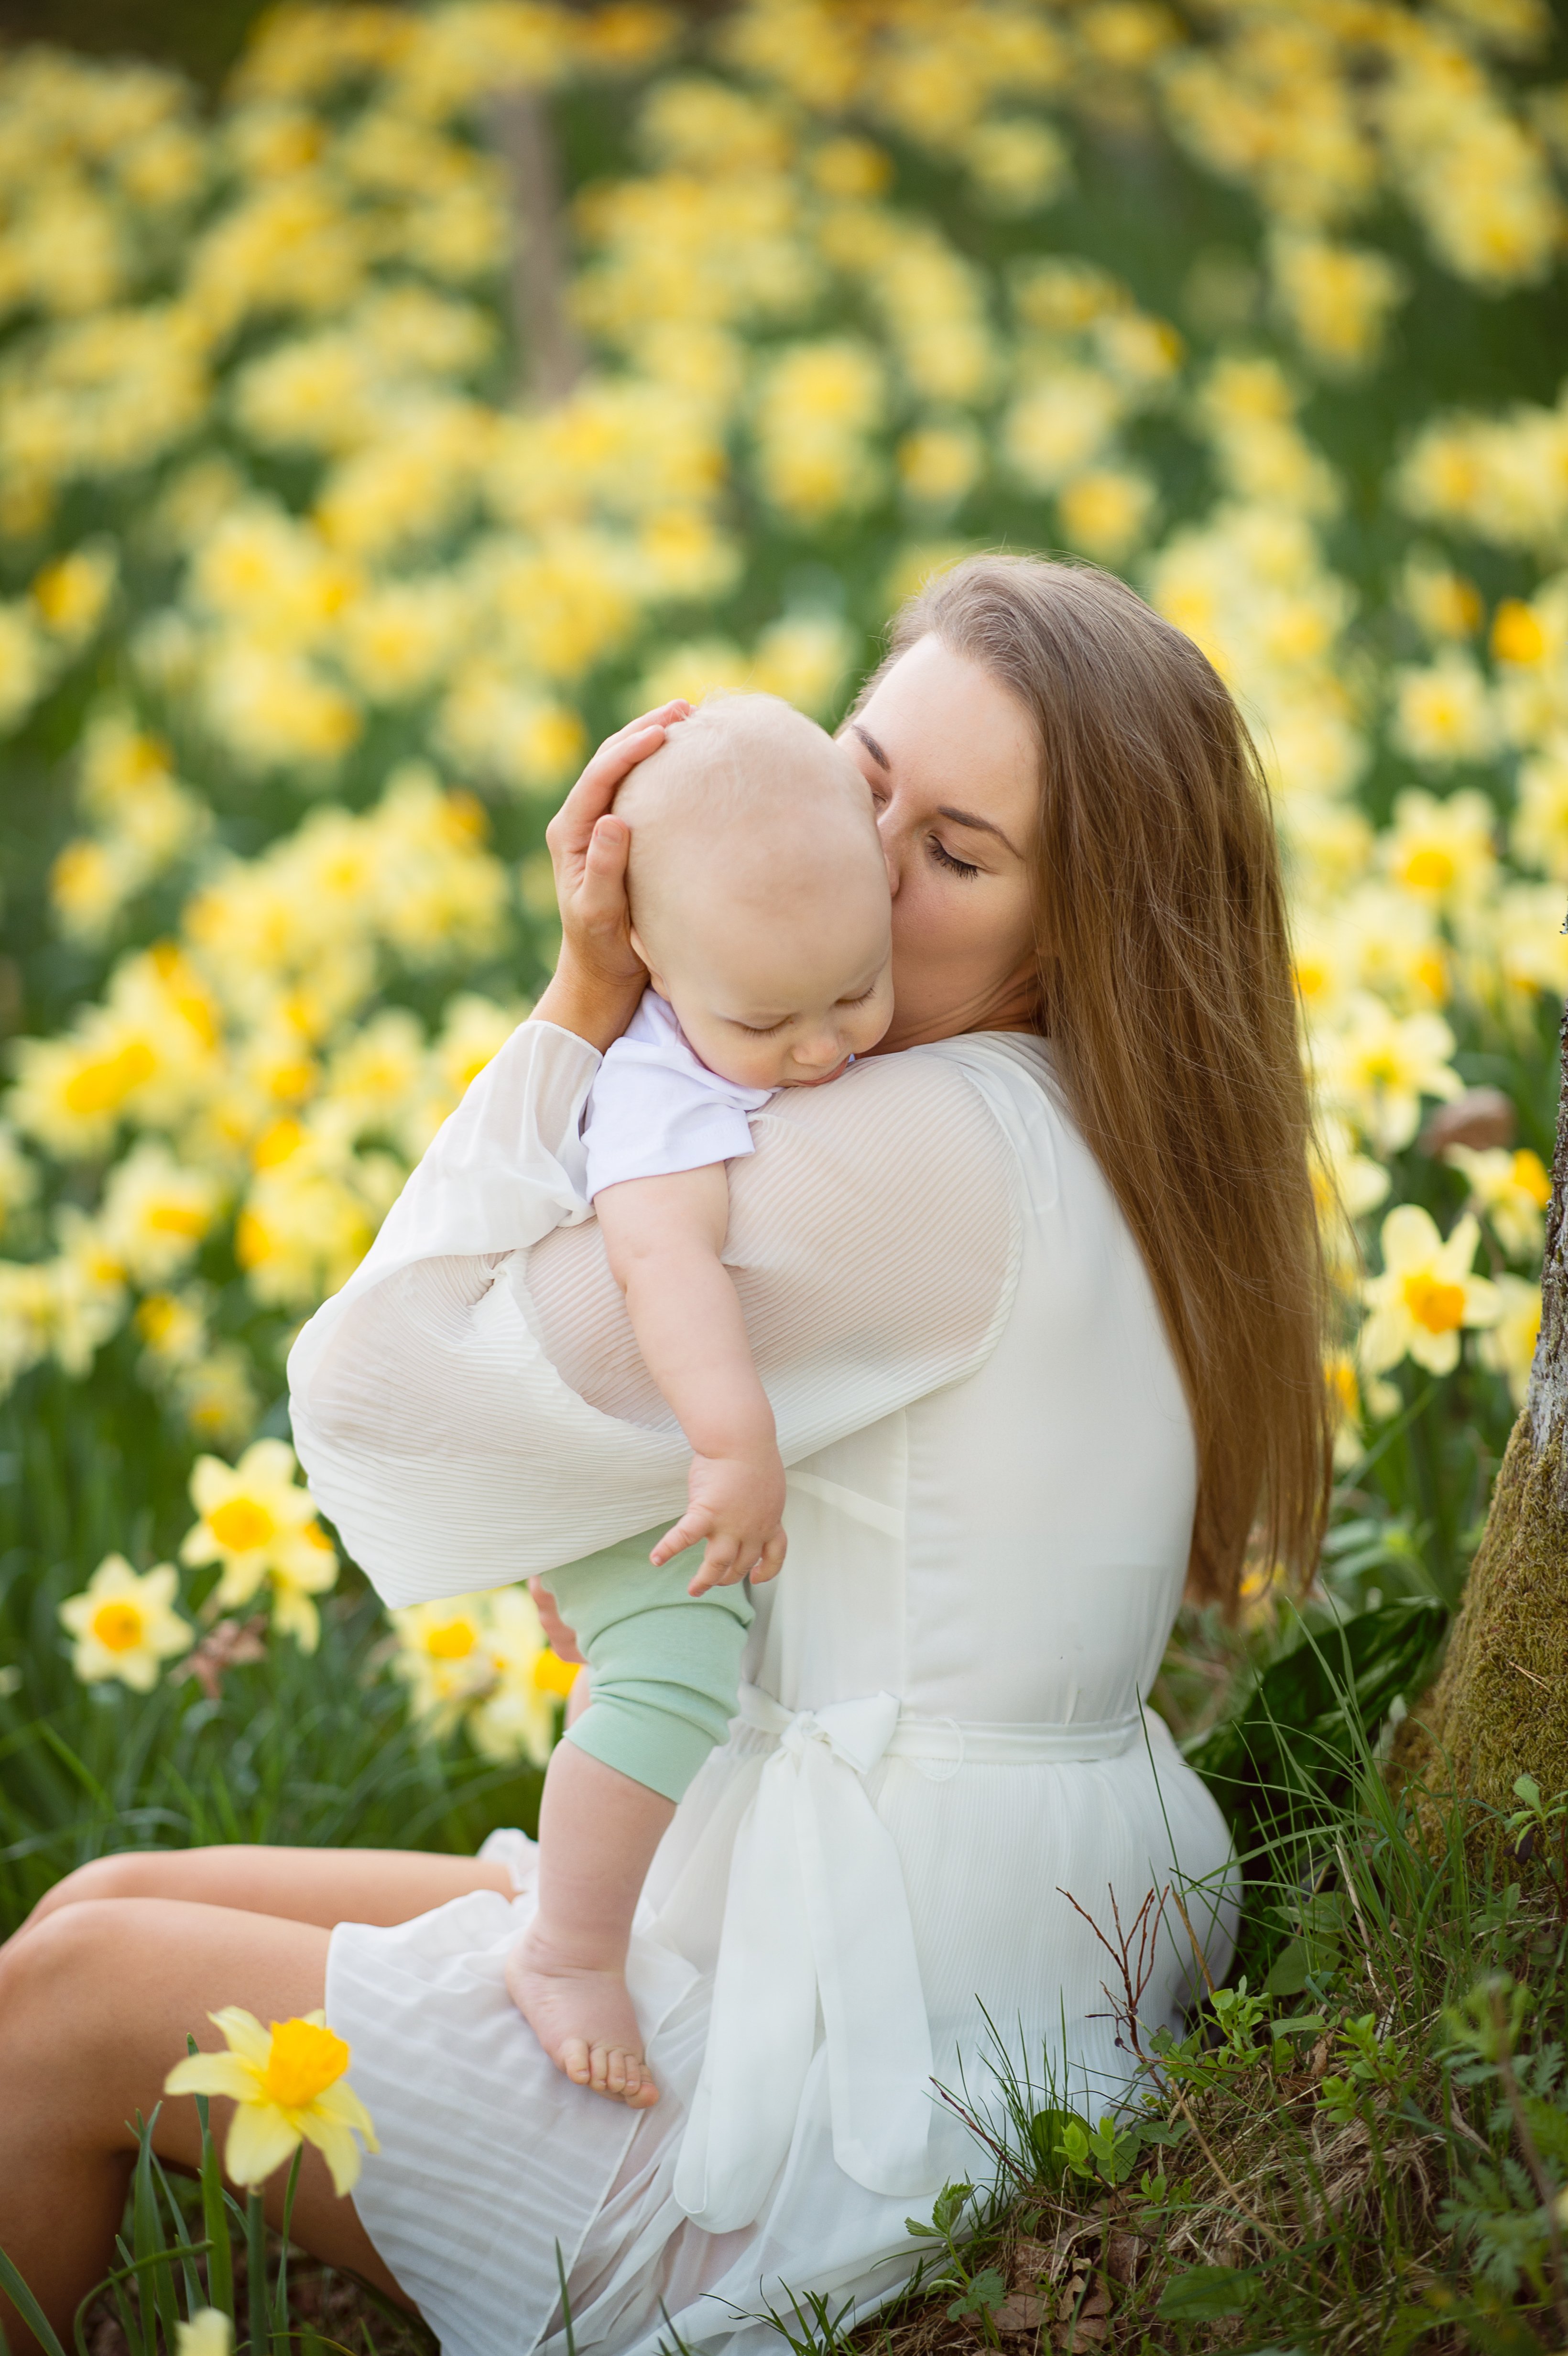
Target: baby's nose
<point>819,1054</point>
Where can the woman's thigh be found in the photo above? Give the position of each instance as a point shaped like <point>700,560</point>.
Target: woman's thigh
<point>323,1887</point>
<point>96,2004</point>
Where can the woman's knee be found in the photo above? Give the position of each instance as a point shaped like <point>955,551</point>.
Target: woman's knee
<point>44,1975</point>
<point>136,1873</point>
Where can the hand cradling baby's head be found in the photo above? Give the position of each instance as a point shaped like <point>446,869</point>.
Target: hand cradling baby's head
<point>759,892</point>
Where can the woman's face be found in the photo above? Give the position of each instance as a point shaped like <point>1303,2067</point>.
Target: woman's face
<point>951,762</point>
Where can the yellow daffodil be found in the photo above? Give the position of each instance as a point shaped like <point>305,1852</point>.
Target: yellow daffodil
<point>125,1625</point>
<point>1511,1190</point>
<point>515,1719</point>
<point>252,1516</point>
<point>306,1567</point>
<point>1344,1394</point>
<point>287,2085</point>
<point>1427,1295</point>
<point>483,1660</point>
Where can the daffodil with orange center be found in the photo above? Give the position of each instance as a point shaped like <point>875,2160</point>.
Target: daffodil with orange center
<point>1427,1296</point>
<point>288,2085</point>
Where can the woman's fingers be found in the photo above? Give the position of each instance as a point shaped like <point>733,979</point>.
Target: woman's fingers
<point>569,830</point>
<point>594,791</point>
<point>601,895</point>
<point>676,709</point>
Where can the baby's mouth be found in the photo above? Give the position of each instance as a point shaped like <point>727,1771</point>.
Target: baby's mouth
<point>823,1077</point>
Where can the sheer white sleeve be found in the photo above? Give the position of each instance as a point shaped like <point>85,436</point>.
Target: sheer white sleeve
<point>476,1410</point>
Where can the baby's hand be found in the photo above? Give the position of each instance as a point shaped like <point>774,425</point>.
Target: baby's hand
<point>735,1503</point>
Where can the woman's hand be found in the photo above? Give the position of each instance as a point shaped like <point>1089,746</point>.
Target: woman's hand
<point>558,1635</point>
<point>599,977</point>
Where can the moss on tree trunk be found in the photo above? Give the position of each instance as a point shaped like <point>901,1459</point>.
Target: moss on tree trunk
<point>1500,1708</point>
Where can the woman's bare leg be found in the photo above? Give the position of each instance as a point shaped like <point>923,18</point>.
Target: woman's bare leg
<point>302,1885</point>
<point>96,2002</point>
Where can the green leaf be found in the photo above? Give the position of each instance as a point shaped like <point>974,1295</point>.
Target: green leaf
<point>28,2307</point>
<point>985,2292</point>
<point>1287,1973</point>
<point>1205,2294</point>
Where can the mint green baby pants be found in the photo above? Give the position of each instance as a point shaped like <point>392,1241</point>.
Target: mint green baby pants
<point>664,1664</point>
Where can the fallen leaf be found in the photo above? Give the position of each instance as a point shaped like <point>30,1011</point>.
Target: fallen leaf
<point>1021,2310</point>
<point>1481,1117</point>
<point>1087,2329</point>
<point>232,1644</point>
<point>1122,2254</point>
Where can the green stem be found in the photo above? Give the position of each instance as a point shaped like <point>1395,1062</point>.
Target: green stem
<point>281,2302</point>
<point>256,2255</point>
<point>215,2221</point>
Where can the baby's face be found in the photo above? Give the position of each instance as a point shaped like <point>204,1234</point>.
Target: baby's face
<point>775,1000</point>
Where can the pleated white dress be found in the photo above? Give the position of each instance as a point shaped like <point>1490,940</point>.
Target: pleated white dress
<point>991,1482</point>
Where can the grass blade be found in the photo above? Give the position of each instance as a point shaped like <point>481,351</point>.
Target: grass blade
<point>28,2307</point>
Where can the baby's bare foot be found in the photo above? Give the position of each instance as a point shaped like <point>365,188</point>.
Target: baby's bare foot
<point>582,2016</point>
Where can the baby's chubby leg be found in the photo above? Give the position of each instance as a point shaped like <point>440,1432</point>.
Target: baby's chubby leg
<point>665,1667</point>
<point>598,1832</point>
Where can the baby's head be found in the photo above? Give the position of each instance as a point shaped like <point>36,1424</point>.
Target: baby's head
<point>759,893</point>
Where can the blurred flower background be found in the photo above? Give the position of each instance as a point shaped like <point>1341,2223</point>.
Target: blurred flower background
<point>375,436</point>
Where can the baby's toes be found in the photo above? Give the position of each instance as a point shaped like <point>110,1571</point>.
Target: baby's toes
<point>577,2062</point>
<point>641,2091</point>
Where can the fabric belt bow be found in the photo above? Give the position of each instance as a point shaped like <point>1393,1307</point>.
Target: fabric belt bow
<point>816,1913</point>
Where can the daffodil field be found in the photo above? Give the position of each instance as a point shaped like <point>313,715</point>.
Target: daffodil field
<point>470,376</point>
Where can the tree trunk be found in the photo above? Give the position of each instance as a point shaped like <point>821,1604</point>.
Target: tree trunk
<point>549,346</point>
<point>1500,1708</point>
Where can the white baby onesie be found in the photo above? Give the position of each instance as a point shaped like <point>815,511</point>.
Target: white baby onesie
<point>655,1108</point>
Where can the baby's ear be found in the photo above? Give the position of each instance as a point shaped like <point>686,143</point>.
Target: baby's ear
<point>639,949</point>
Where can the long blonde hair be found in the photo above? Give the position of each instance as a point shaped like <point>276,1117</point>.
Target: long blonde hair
<point>1166,990</point>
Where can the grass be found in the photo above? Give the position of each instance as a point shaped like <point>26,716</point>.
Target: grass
<point>316,1750</point>
<point>1362,2147</point>
<point>1360,2144</point>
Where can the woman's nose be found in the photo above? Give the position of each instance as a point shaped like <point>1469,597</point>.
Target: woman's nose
<point>891,847</point>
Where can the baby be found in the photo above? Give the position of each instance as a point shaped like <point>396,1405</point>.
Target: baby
<point>760,905</point>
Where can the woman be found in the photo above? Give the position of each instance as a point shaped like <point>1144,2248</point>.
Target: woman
<point>1036,1296</point>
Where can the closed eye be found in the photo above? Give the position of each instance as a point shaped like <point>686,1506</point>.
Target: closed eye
<point>866,995</point>
<point>944,857</point>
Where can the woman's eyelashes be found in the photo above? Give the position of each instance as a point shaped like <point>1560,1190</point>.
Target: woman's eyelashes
<point>944,857</point>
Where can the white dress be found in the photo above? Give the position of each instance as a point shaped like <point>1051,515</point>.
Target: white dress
<point>991,1482</point>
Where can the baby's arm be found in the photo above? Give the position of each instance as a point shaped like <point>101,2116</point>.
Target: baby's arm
<point>663,1237</point>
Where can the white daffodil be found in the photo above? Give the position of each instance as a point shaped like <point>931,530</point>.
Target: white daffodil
<point>1508,1348</point>
<point>1380,1065</point>
<point>125,1625</point>
<point>287,2085</point>
<point>209,2333</point>
<point>1427,1295</point>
